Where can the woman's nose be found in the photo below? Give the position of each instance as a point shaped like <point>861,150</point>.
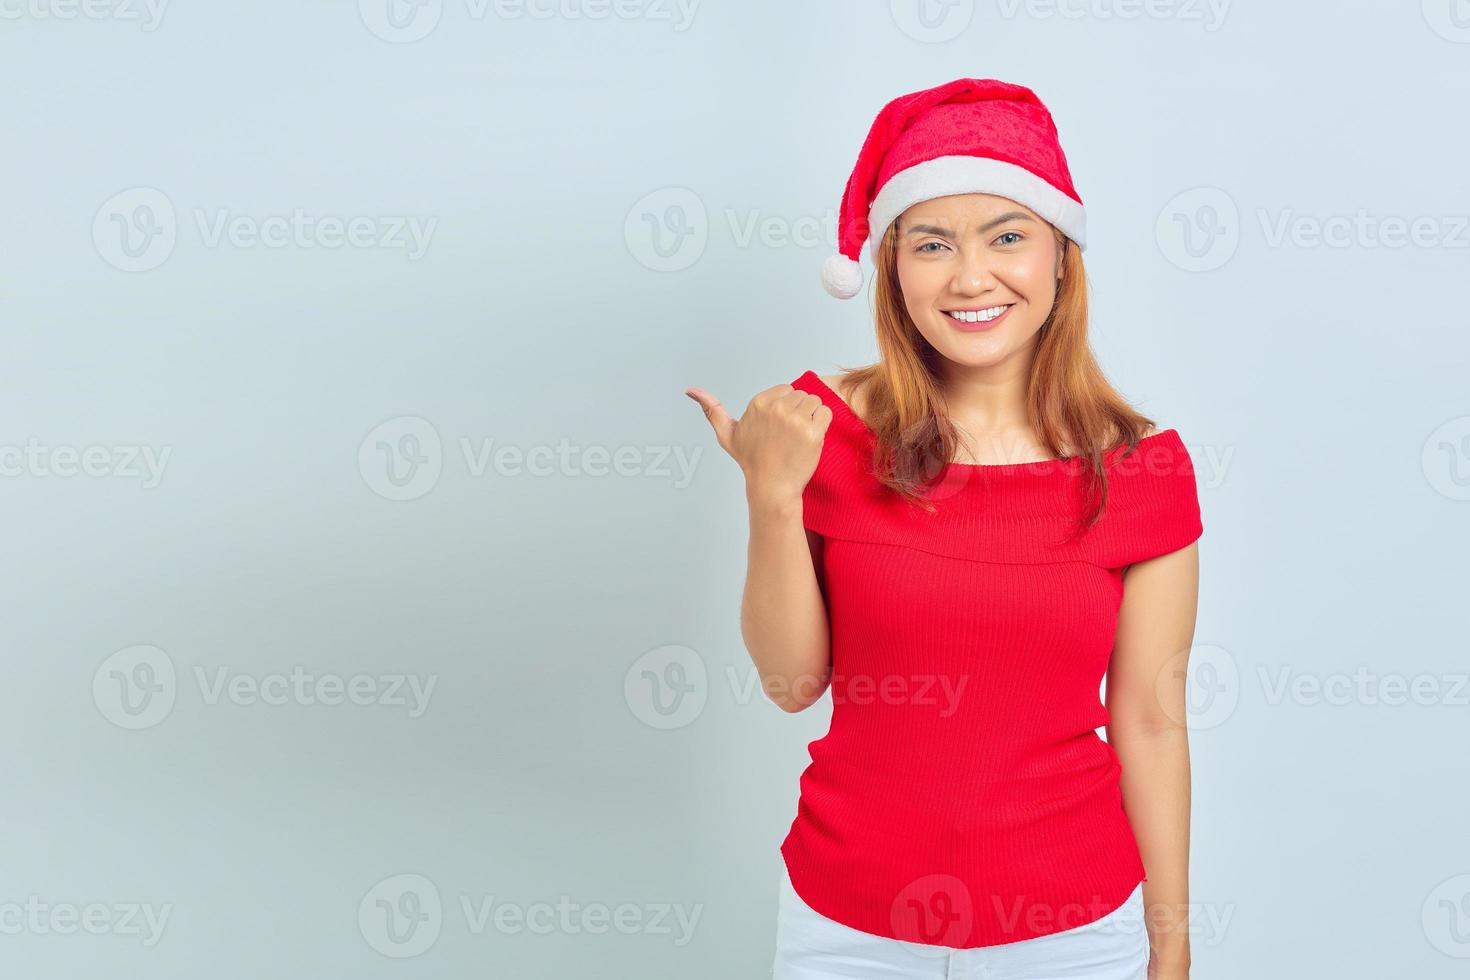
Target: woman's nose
<point>973,276</point>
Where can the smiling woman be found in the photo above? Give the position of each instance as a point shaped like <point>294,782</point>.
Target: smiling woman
<point>1011,254</point>
<point>1049,549</point>
<point>981,310</point>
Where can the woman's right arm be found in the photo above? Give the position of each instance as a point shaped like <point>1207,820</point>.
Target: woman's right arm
<point>783,617</point>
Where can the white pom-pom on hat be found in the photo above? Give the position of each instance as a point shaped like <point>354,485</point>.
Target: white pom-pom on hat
<point>841,276</point>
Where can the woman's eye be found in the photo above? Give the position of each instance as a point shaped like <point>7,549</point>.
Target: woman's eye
<point>925,247</point>
<point>1006,234</point>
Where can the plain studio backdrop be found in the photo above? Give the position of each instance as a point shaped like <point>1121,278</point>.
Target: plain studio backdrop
<point>372,588</point>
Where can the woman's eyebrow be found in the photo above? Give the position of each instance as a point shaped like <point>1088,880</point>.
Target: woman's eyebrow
<point>946,233</point>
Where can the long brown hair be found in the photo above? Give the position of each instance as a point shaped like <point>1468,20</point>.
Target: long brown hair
<point>1072,406</point>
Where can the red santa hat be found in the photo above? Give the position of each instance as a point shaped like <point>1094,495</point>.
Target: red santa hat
<point>968,136</point>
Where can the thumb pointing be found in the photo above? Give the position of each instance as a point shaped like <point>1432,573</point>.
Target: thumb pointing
<point>719,419</point>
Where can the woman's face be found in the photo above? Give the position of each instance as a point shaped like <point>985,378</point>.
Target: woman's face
<point>977,252</point>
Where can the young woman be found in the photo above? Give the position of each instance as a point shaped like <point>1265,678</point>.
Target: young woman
<point>960,541</point>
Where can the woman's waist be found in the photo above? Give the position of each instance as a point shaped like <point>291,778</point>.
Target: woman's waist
<point>1004,887</point>
<point>976,789</point>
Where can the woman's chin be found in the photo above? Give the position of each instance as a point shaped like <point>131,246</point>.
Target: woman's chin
<point>976,350</point>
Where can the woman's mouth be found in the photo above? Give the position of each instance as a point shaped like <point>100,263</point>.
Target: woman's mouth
<point>978,319</point>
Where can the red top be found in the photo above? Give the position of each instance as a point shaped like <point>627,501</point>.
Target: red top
<point>961,796</point>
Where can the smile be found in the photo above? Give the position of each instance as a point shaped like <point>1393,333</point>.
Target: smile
<point>978,319</point>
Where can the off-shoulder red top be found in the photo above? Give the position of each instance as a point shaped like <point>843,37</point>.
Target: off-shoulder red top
<point>962,796</point>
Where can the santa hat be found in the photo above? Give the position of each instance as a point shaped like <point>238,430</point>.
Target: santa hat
<point>968,136</point>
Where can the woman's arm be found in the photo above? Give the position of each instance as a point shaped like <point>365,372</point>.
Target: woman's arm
<point>783,618</point>
<point>1146,697</point>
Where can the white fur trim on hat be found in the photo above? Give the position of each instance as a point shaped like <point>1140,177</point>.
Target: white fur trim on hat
<point>947,175</point>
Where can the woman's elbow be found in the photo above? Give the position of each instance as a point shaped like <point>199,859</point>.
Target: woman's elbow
<point>793,696</point>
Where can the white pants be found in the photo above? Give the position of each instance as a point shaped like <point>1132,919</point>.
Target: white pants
<point>810,946</point>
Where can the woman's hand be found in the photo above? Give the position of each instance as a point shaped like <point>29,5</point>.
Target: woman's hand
<point>777,441</point>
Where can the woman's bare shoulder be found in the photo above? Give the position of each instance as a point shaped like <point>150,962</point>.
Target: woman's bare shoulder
<point>847,391</point>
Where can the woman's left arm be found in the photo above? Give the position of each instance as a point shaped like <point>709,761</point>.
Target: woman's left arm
<point>1147,728</point>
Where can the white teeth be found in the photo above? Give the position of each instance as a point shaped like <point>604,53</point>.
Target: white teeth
<point>978,316</point>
